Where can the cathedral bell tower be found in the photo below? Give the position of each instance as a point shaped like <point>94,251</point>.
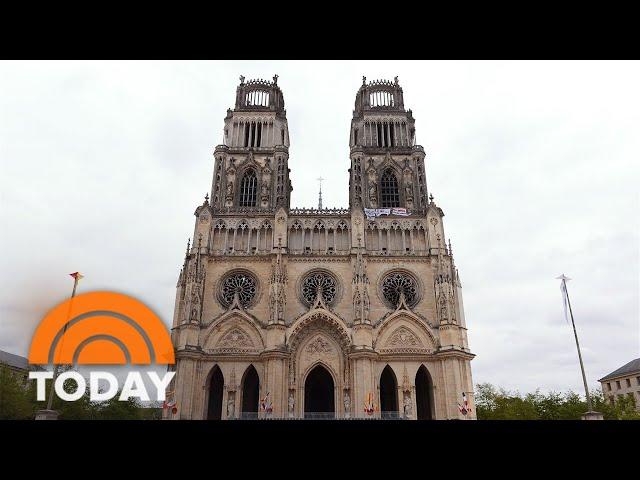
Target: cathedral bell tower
<point>387,167</point>
<point>251,172</point>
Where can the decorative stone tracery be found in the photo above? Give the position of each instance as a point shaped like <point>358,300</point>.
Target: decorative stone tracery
<point>397,282</point>
<point>240,283</point>
<point>319,280</point>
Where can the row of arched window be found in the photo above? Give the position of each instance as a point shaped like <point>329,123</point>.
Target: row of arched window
<point>242,238</point>
<point>397,239</point>
<point>320,395</point>
<point>320,238</point>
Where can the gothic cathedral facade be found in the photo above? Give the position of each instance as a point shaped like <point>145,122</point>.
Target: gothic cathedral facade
<point>287,312</point>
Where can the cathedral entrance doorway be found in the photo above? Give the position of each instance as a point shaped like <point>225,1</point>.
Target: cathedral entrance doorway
<point>319,394</point>
<point>250,393</point>
<point>423,394</point>
<point>388,393</point>
<point>216,384</point>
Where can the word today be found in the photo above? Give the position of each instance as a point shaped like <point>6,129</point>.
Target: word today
<point>133,386</point>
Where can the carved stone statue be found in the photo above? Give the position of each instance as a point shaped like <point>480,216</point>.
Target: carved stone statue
<point>230,190</point>
<point>264,189</point>
<point>292,403</point>
<point>231,407</point>
<point>408,190</point>
<point>373,192</point>
<point>347,404</point>
<point>357,305</point>
<point>407,406</point>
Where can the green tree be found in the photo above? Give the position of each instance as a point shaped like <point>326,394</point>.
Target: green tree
<point>115,409</point>
<point>14,401</point>
<point>81,409</point>
<point>494,404</point>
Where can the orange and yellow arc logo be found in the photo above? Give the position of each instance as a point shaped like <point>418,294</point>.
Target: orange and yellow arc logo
<point>101,328</point>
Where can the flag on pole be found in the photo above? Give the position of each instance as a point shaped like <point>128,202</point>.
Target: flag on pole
<point>369,407</point>
<point>265,403</point>
<point>172,406</point>
<point>563,289</point>
<point>465,402</point>
<point>77,275</point>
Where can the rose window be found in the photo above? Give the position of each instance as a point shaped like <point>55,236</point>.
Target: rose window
<point>242,283</point>
<point>315,281</point>
<point>395,283</point>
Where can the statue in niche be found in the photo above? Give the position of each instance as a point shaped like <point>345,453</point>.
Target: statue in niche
<point>347,404</point>
<point>373,192</point>
<point>231,407</point>
<point>264,190</point>
<point>292,403</point>
<point>407,406</point>
<point>357,304</point>
<point>408,190</point>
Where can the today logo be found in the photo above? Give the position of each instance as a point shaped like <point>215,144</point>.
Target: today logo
<point>101,328</point>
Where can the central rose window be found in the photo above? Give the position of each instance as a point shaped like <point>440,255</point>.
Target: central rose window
<point>319,280</point>
<point>397,282</point>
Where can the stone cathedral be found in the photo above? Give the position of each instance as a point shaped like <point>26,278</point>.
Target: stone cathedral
<point>288,312</point>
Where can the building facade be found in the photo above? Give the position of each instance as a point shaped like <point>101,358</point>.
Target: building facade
<point>625,381</point>
<point>319,313</point>
<point>18,366</point>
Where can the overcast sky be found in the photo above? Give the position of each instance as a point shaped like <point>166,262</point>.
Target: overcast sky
<point>535,164</point>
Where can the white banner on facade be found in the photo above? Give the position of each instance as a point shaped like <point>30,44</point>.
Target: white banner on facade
<point>372,213</point>
<point>400,211</point>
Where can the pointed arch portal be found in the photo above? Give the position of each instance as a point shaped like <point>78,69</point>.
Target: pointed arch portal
<point>388,392</point>
<point>216,384</point>
<point>319,393</point>
<point>250,391</point>
<point>424,394</point>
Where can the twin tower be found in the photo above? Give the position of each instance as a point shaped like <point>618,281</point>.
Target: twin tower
<point>298,313</point>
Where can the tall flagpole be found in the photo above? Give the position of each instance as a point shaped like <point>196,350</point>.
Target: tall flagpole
<point>575,334</point>
<point>76,276</point>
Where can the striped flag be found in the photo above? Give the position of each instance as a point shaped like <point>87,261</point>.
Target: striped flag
<point>369,407</point>
<point>466,403</point>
